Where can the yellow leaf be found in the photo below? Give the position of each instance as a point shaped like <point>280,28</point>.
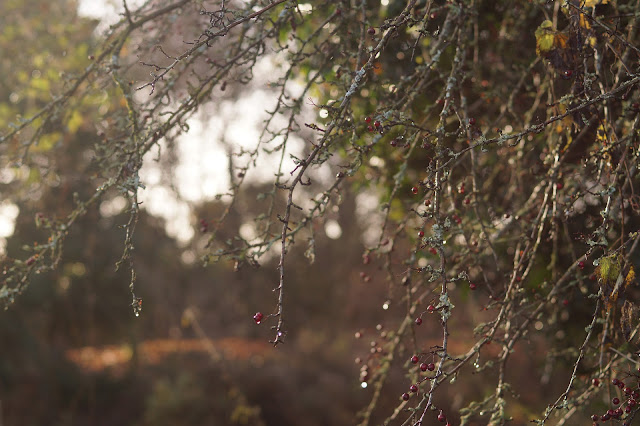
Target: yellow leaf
<point>75,121</point>
<point>544,37</point>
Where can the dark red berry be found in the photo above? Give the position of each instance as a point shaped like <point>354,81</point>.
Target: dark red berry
<point>424,367</point>
<point>393,143</point>
<point>377,124</point>
<point>427,202</point>
<point>615,401</point>
<point>371,31</point>
<point>414,190</point>
<point>472,286</point>
<point>413,388</point>
<point>615,382</point>
<point>91,57</point>
<point>628,390</point>
<point>605,417</point>
<point>567,74</point>
<point>258,317</point>
<point>420,234</point>
<point>467,201</point>
<point>415,359</point>
<point>441,417</point>
<point>370,128</point>
<point>581,264</point>
<point>433,250</point>
<point>620,384</point>
<point>406,396</point>
<point>418,321</point>
<point>431,366</point>
<point>559,185</point>
<point>565,302</point>
<point>627,409</point>
<point>431,308</point>
<point>631,402</point>
<point>367,119</point>
<point>635,105</point>
<point>595,417</point>
<point>472,121</point>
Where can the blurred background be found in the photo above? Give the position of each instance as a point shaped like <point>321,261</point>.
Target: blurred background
<point>72,352</point>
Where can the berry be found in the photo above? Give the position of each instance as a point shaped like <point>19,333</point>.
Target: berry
<point>370,128</point>
<point>635,105</point>
<point>420,234</point>
<point>371,31</point>
<point>467,201</point>
<point>367,119</point>
<point>393,143</point>
<point>628,390</point>
<point>472,121</point>
<point>433,251</point>
<point>418,321</point>
<point>632,402</point>
<point>431,308</point>
<point>414,190</point>
<point>595,417</point>
<point>405,396</point>
<point>441,417</point>
<point>595,382</point>
<point>424,367</point>
<point>472,286</point>
<point>565,302</point>
<point>91,57</point>
<point>413,388</point>
<point>258,317</point>
<point>377,124</point>
<point>559,185</point>
<point>581,264</point>
<point>567,74</point>
<point>456,219</point>
<point>615,382</point>
<point>621,384</point>
<point>427,202</point>
<point>431,366</point>
<point>615,401</point>
<point>415,359</point>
